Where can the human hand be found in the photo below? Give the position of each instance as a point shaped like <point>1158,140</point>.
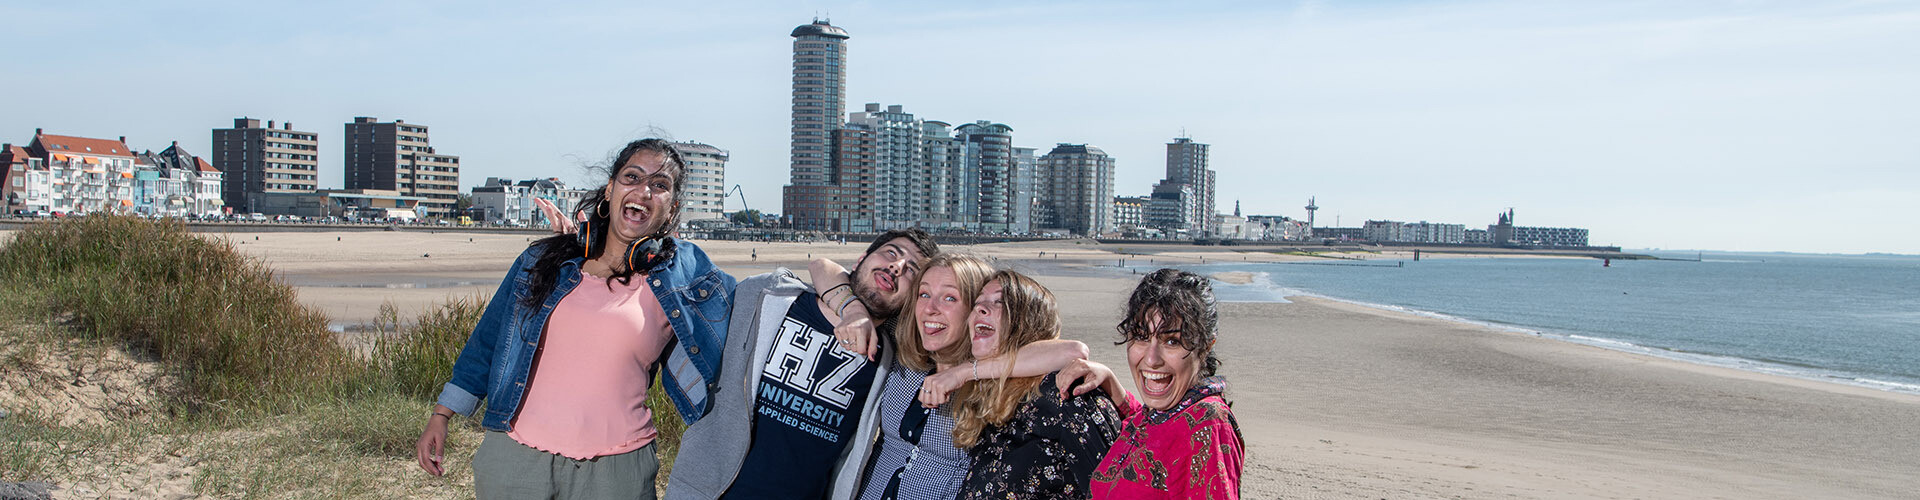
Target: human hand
<point>856,331</point>
<point>429,449</point>
<point>935,389</point>
<point>1090,375</point>
<point>558,222</point>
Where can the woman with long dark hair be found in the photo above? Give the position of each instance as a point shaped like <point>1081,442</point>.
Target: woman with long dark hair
<point>566,349</point>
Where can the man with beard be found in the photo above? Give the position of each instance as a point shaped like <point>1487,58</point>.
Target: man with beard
<point>790,394</point>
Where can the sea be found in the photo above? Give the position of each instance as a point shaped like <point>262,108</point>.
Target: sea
<point>1850,319</point>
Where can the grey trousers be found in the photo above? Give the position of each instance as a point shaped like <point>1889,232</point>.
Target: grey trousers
<point>505,469</point>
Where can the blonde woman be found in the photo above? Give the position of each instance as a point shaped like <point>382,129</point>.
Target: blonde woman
<point>1024,440</point>
<point>914,457</point>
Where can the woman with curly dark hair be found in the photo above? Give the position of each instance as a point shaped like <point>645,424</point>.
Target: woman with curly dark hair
<point>1179,438</point>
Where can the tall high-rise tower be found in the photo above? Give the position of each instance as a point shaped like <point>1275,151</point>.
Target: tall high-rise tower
<point>819,99</point>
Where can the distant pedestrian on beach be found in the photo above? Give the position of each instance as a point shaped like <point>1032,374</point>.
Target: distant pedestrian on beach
<point>593,315</point>
<point>1179,439</point>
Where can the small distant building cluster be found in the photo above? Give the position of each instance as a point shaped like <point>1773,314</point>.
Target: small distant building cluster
<point>1502,233</point>
<point>391,169</point>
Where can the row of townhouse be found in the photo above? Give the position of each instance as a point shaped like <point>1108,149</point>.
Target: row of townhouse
<point>79,175</point>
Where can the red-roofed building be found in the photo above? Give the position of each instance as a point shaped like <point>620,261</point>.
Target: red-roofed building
<point>85,174</point>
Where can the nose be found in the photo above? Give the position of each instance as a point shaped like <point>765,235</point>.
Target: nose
<point>1156,355</point>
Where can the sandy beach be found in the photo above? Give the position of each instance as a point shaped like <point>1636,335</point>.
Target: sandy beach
<point>1335,400</point>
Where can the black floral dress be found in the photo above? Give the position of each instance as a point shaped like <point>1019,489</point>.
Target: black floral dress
<point>1047,449</point>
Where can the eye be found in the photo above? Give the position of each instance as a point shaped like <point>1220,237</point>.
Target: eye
<point>950,298</point>
<point>661,186</point>
<point>924,295</point>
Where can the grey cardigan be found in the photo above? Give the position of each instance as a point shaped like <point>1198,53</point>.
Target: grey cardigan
<point>712,449</point>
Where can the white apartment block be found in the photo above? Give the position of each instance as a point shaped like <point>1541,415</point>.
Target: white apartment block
<point>706,182</point>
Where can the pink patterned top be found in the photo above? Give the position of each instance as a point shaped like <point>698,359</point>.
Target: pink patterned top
<point>1193,450</point>
<point>587,394</point>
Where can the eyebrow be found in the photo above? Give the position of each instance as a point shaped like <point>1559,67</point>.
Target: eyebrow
<point>662,172</point>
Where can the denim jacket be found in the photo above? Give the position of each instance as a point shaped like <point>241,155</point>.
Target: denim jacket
<point>695,295</point>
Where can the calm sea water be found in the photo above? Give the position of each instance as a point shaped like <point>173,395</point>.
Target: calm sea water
<point>1848,319</point>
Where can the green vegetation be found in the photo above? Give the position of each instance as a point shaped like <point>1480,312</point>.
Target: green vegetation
<point>235,335</point>
<point>267,402</point>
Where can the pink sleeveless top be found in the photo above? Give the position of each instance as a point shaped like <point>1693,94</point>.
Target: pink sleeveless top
<point>587,394</point>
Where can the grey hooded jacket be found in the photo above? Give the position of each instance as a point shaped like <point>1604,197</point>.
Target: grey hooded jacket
<point>712,449</point>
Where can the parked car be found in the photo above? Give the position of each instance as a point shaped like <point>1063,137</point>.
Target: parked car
<point>257,217</point>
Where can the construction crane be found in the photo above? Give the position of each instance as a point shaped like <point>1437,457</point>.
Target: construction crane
<point>743,197</point>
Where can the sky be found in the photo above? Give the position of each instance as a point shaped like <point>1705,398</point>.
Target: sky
<point>1714,124</point>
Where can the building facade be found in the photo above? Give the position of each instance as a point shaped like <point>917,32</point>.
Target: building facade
<point>903,186</point>
<point>83,175</point>
<point>706,183</point>
<point>819,98</point>
<point>511,203</point>
<point>258,159</point>
<point>1076,190</point>
<point>28,185</point>
<point>1187,163</point>
<point>1129,213</point>
<point>1505,233</point>
<point>349,204</point>
<point>988,179</point>
<point>942,158</point>
<point>398,156</point>
<point>176,183</point>
<point>1170,207</point>
<point>1431,232</point>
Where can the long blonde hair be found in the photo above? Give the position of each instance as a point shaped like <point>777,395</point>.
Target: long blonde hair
<point>970,275</point>
<point>1029,316</point>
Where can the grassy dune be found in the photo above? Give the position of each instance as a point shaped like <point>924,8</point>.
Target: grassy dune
<point>253,398</point>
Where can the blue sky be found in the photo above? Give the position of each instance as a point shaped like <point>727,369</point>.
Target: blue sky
<point>1732,125</point>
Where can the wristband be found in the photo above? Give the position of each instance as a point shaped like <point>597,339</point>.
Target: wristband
<point>976,368</point>
<point>842,310</point>
<point>432,413</point>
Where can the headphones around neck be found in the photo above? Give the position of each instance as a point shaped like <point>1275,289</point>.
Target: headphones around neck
<point>642,255</point>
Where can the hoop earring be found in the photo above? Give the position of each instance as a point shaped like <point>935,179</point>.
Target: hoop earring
<point>601,209</point>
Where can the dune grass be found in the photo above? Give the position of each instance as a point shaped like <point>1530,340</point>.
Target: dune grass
<point>269,404</point>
